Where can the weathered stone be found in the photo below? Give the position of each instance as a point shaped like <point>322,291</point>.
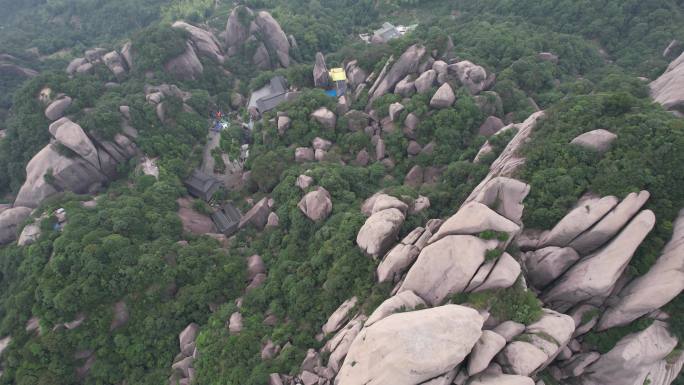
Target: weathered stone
<point>543,266</point>
<point>425,81</point>
<point>474,218</point>
<point>320,71</point>
<point>284,123</point>
<point>406,64</point>
<point>304,182</point>
<point>578,363</point>
<point>414,177</point>
<point>257,216</point>
<point>188,335</point>
<point>598,140</point>
<point>610,224</point>
<point>491,126</point>
<point>500,379</point>
<point>445,267</point>
<point>185,66</point>
<point>379,231</point>
<point>304,154</point>
<point>444,97</point>
<point>594,276</point>
<point>472,76</point>
<point>662,283</point>
<point>72,136</point>
<point>503,275</point>
<point>29,234</point>
<point>668,88</point>
<point>581,218</point>
<point>488,346</point>
<point>56,109</point>
<point>235,323</point>
<point>633,358</point>
<point>396,262</point>
<point>316,205</point>
<point>404,301</point>
<point>509,330</point>
<point>340,316</point>
<point>325,117</point>
<point>409,348</point>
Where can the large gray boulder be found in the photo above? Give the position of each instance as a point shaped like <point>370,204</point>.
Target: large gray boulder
<point>488,346</point>
<point>406,64</point>
<point>410,348</point>
<point>316,205</point>
<point>610,224</point>
<point>474,218</point>
<point>406,87</point>
<point>544,265</point>
<point>445,267</point>
<point>472,76</point>
<point>236,32</point>
<point>257,216</point>
<point>29,234</point>
<point>69,174</point>
<point>503,195</point>
<point>444,97</point>
<point>339,345</point>
<point>115,63</point>
<point>581,218</point>
<point>185,66</point>
<point>10,220</point>
<point>491,126</point>
<point>634,359</point>
<point>663,282</point>
<point>274,37</point>
<point>205,42</point>
<point>396,262</point>
<point>404,301</point>
<point>425,81</point>
<point>56,109</point>
<point>598,140</point>
<point>593,278</point>
<point>340,316</point>
<point>503,275</point>
<point>379,231</point>
<point>320,71</point>
<point>325,117</point>
<point>668,89</point>
<point>72,136</point>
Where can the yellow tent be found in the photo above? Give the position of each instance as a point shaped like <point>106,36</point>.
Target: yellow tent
<point>338,74</point>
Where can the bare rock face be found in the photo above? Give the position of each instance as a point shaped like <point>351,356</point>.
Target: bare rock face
<point>274,37</point>
<point>316,205</point>
<point>406,64</point>
<point>444,97</point>
<point>10,220</point>
<point>446,266</point>
<point>504,274</point>
<point>186,66</point>
<point>236,32</point>
<point>593,278</point>
<point>71,174</point>
<point>29,234</point>
<point>406,87</point>
<point>543,266</point>
<point>474,218</point>
<point>404,301</point>
<point>325,117</point>
<point>668,89</point>
<point>598,140</point>
<point>425,81</point>
<point>205,42</point>
<point>609,225</point>
<point>410,348</point>
<point>320,71</point>
<point>193,221</point>
<point>257,216</point>
<point>634,358</point>
<point>56,109</point>
<point>235,323</point>
<point>304,182</point>
<point>115,63</point>
<point>488,346</point>
<point>491,126</point>
<point>340,316</point>
<point>581,218</point>
<point>379,231</point>
<point>663,282</point>
<point>72,136</point>
<point>471,76</point>
<point>396,262</point>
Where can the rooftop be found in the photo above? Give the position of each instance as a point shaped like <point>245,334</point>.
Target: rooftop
<point>269,96</point>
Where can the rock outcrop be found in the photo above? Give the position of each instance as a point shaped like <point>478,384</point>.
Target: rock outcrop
<point>185,66</point>
<point>410,348</point>
<point>598,140</point>
<point>56,109</point>
<point>379,231</point>
<point>444,97</point>
<point>10,220</point>
<point>406,64</point>
<point>472,76</point>
<point>244,25</point>
<point>204,42</point>
<point>316,205</point>
<point>668,89</point>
